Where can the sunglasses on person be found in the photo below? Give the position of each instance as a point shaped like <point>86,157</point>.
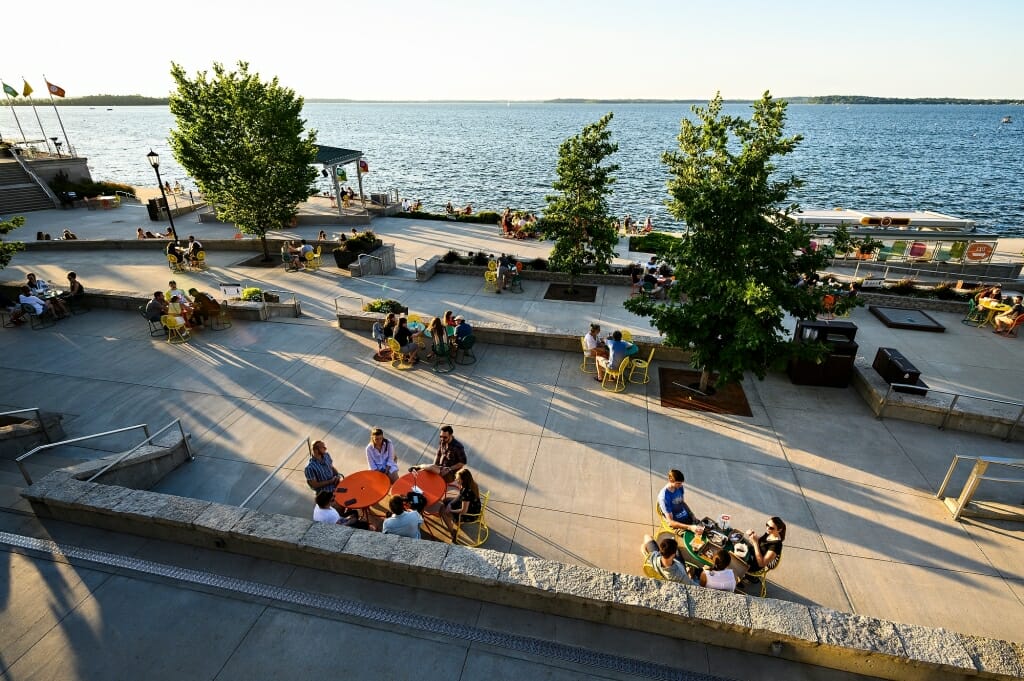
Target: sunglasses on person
<point>771,527</point>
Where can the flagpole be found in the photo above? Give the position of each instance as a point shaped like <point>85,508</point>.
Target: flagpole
<point>71,151</point>
<point>36,112</point>
<point>10,103</point>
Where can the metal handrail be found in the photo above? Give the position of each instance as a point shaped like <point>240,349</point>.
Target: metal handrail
<point>39,415</point>
<point>309,447</point>
<point>981,464</point>
<point>372,257</point>
<point>148,440</point>
<point>264,310</point>
<point>952,404</point>
<point>20,459</point>
<point>337,298</point>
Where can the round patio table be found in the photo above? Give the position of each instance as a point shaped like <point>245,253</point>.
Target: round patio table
<point>361,489</point>
<point>432,485</point>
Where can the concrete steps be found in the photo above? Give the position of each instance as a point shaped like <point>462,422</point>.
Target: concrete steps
<point>18,191</point>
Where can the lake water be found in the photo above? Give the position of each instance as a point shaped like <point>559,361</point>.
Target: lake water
<point>958,160</point>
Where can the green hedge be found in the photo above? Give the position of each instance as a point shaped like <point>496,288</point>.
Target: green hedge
<point>486,217</point>
<point>88,189</point>
<point>655,242</point>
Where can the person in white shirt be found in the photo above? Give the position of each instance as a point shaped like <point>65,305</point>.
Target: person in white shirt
<point>37,303</point>
<point>593,342</point>
<point>402,521</point>
<point>324,512</point>
<point>721,576</point>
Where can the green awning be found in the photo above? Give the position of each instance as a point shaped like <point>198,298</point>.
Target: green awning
<point>329,156</point>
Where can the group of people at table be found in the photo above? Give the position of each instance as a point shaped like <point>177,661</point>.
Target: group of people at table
<point>445,488</point>
<point>1001,315</point>
<point>41,298</point>
<point>190,310</point>
<point>704,552</point>
<point>451,331</point>
<point>609,353</point>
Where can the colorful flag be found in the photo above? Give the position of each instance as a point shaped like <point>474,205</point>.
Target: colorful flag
<point>9,90</point>
<point>27,90</point>
<point>55,89</point>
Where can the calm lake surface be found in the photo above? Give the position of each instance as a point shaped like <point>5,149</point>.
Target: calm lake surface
<point>958,160</point>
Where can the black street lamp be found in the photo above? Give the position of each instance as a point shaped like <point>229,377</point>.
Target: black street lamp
<point>154,160</point>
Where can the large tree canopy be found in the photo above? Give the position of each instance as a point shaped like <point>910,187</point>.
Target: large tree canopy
<point>577,218</point>
<point>9,248</point>
<point>245,144</point>
<point>742,254</point>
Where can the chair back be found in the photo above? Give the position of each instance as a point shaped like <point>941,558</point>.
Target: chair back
<point>627,335</point>
<point>414,317</point>
<point>201,256</point>
<point>491,266</point>
<point>479,519</point>
<point>650,357</point>
<point>396,349</point>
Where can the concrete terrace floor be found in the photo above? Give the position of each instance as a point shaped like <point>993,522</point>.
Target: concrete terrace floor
<point>572,470</point>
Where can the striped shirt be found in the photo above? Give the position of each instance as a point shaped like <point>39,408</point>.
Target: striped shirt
<point>320,471</point>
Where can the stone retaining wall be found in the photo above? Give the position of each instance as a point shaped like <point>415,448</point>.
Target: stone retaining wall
<point>539,275</point>
<point>909,302</point>
<point>805,634</point>
<point>524,337</point>
<point>247,244</point>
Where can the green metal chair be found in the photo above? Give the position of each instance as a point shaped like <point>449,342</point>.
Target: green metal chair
<point>442,358</point>
<point>466,348</point>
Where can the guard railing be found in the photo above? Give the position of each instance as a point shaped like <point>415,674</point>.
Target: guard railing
<point>952,405</point>
<point>39,416</point>
<point>149,439</point>
<point>280,465</point>
<point>337,307</point>
<point>981,463</point>
<point>21,459</point>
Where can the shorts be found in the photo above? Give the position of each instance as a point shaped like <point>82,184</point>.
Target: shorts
<point>408,349</point>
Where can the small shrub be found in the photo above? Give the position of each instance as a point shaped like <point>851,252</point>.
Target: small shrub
<point>252,294</point>
<point>451,257</point>
<point>487,217</point>
<point>655,242</point>
<point>944,291</point>
<point>537,264</point>
<point>903,287</point>
<point>480,259</point>
<point>383,305</point>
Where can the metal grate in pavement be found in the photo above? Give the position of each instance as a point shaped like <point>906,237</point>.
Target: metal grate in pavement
<point>398,618</point>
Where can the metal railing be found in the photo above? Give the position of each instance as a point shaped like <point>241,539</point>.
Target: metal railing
<point>952,404</point>
<point>148,440</point>
<point>273,473</point>
<point>337,308</point>
<point>380,263</point>
<point>39,416</point>
<point>981,464</point>
<point>265,311</point>
<point>20,460</point>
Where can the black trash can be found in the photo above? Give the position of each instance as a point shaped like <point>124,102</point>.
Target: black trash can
<point>154,208</point>
<point>836,368</point>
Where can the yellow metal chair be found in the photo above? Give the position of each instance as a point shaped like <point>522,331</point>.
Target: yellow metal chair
<point>618,376</point>
<point>762,575</point>
<point>641,364</point>
<point>492,266</point>
<point>173,264</point>
<point>589,364</point>
<point>176,332</point>
<point>490,281</point>
<point>627,335</point>
<point>663,526</point>
<point>317,254</point>
<point>414,318</point>
<point>399,360</point>
<point>200,261</point>
<point>312,264</point>
<point>479,519</point>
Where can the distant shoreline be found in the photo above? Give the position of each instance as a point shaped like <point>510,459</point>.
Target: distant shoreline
<point>139,100</point>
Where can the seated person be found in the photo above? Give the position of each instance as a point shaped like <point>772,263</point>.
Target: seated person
<point>325,512</point>
<point>767,547</point>
<point>204,306</point>
<point>991,293</point>
<point>467,502</point>
<point>672,504</point>
<point>406,340</point>
<point>449,319</point>
<point>68,235</point>
<point>38,286</point>
<point>593,342</point>
<point>617,349</point>
<point>193,249</point>
<point>402,521</point>
<point>462,330</point>
<point>179,312</point>
<point>322,236</point>
<point>169,234</point>
<point>173,290</point>
<point>448,209</point>
<point>139,234</point>
<point>172,249</point>
<point>304,250</point>
<point>720,576</point>
<point>416,206</point>
<point>635,273</point>
<point>38,304</point>
<point>1004,321</point>
<point>75,288</point>
<point>156,307</point>
<point>294,253</point>
<point>652,279</point>
<point>663,558</point>
<point>468,210</point>
<point>17,314</point>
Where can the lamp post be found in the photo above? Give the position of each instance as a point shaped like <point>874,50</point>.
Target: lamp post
<point>154,160</point>
<point>56,146</point>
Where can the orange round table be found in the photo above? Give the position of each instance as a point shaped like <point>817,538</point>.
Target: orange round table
<point>361,489</point>
<point>432,484</point>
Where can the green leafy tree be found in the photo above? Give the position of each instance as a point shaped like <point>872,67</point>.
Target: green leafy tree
<point>577,218</point>
<point>743,253</point>
<point>245,144</point>
<point>9,248</point>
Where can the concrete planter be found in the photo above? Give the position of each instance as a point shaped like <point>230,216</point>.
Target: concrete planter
<point>909,302</point>
<point>538,275</point>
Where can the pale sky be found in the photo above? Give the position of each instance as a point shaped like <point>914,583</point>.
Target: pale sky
<point>529,49</point>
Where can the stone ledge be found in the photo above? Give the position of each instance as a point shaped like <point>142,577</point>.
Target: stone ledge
<point>805,634</point>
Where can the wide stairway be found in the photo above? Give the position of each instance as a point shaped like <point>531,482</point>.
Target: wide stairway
<point>18,191</point>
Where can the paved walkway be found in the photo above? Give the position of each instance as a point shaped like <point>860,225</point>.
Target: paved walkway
<point>572,470</point>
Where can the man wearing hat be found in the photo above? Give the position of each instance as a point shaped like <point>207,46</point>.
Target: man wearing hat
<point>462,330</point>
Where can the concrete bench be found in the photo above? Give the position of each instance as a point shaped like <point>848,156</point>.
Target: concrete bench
<point>428,269</point>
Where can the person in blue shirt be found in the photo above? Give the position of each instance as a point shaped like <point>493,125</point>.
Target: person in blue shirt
<point>462,330</point>
<point>671,504</point>
<point>616,354</point>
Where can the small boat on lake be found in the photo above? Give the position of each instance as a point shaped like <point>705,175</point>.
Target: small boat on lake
<point>1007,119</point>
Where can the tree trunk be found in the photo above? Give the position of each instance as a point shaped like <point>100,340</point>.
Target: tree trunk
<point>705,377</point>
<point>266,252</point>
<point>569,289</point>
